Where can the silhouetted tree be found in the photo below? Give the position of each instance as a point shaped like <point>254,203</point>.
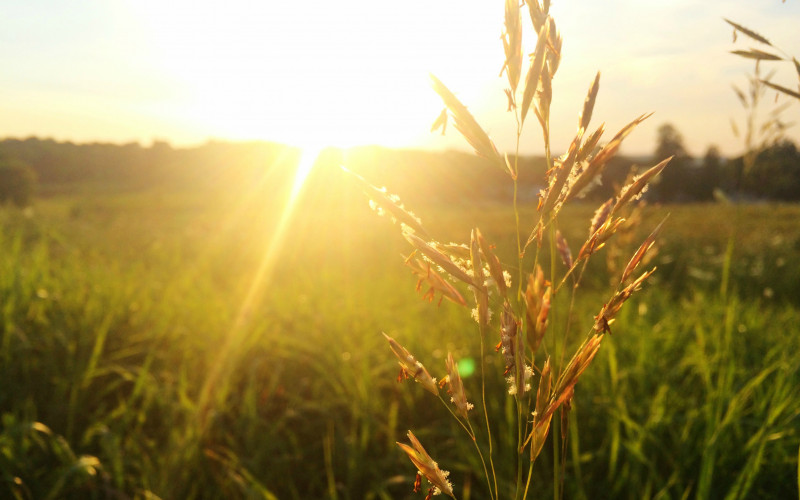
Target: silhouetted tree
<point>17,182</point>
<point>673,184</point>
<point>708,176</point>
<point>775,173</point>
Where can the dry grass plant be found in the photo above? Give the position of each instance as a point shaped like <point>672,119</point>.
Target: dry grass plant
<point>516,312</point>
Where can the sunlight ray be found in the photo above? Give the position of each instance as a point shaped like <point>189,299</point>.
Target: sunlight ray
<point>229,351</point>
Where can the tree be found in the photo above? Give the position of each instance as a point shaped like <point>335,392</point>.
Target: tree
<point>17,182</point>
<point>673,185</point>
<point>775,174</point>
<point>708,176</point>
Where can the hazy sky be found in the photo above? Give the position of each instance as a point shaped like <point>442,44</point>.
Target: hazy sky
<point>348,72</point>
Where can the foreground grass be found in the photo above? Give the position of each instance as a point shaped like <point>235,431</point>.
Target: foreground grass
<point>144,354</point>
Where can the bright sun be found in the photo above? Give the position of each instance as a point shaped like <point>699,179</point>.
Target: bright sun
<point>309,73</point>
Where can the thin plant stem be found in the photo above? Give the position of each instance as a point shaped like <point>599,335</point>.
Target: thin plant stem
<point>486,412</point>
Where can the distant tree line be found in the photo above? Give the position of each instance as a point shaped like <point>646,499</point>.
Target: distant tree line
<point>417,176</point>
<point>774,174</point>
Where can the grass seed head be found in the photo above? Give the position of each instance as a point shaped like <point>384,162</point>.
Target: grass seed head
<point>434,281</point>
<point>456,388</point>
<point>480,289</point>
<point>467,125</point>
<point>537,307</point>
<point>637,186</point>
<point>427,466</point>
<point>495,268</point>
<point>606,315</point>
<point>411,367</point>
<point>535,70</point>
<point>639,255</point>
<point>439,258</point>
<point>512,43</point>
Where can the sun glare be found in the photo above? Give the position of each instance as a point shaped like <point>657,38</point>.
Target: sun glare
<point>325,73</point>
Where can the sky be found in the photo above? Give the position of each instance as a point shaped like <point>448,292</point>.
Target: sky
<point>351,72</point>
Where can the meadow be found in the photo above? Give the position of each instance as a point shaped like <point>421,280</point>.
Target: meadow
<point>203,345</point>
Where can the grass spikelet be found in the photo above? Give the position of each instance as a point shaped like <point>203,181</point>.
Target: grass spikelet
<point>440,122</point>
<point>600,216</point>
<point>606,315</point>
<point>427,466</point>
<point>537,307</point>
<point>535,70</point>
<point>590,143</point>
<point>467,125</point>
<point>541,425</point>
<point>512,43</point>
<point>495,268</point>
<point>640,252</point>
<point>565,386</point>
<point>599,237</point>
<point>434,282</point>
<point>481,291</point>
<point>780,88</point>
<point>756,54</point>
<point>410,367</point>
<point>598,163</point>
<point>439,258</point>
<point>563,250</point>
<point>747,32</point>
<point>538,14</point>
<point>637,186</point>
<point>558,179</point>
<point>456,388</point>
<point>588,105</point>
<point>513,348</point>
<point>554,54</point>
<point>543,99</point>
<point>390,204</point>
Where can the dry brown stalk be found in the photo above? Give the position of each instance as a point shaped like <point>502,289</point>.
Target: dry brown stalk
<point>427,466</point>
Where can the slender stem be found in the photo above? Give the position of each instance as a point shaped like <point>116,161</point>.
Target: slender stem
<point>486,414</point>
<point>528,482</point>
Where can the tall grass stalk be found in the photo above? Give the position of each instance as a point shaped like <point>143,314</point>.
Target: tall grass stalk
<point>540,379</point>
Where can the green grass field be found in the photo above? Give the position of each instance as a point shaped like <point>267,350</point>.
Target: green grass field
<point>167,345</point>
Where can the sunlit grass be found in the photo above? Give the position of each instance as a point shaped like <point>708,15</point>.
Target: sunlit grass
<point>309,377</point>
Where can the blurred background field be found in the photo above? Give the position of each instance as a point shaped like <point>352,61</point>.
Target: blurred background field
<point>199,343</point>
